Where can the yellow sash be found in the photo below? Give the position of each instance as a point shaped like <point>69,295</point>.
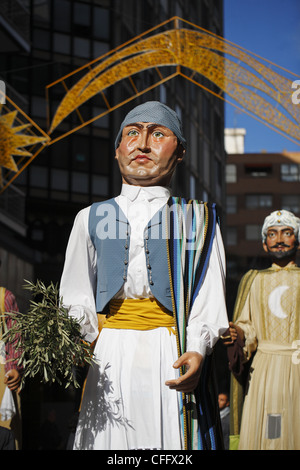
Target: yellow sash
<point>138,314</point>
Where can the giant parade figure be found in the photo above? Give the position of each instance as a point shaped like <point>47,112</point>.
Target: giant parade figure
<point>151,267</point>
<point>265,332</point>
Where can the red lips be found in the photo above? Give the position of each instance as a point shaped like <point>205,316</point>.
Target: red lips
<point>142,157</point>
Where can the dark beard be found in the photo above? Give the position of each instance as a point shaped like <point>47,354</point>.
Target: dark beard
<point>284,254</point>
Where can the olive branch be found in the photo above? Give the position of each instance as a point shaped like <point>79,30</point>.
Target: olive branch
<point>48,340</point>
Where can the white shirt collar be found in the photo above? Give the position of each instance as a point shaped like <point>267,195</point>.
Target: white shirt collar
<point>225,412</point>
<point>149,192</point>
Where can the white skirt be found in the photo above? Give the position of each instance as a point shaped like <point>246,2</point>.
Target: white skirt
<point>126,404</point>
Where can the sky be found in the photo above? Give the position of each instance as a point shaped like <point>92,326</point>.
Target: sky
<point>270,29</point>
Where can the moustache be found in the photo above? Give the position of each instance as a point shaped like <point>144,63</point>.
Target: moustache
<point>277,245</point>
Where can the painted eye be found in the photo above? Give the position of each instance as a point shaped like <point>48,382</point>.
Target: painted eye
<point>133,133</point>
<point>158,134</point>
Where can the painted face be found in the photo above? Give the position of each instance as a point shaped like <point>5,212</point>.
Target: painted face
<point>148,154</point>
<point>280,242</point>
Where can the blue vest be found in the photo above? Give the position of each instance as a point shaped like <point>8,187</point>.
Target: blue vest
<point>109,230</point>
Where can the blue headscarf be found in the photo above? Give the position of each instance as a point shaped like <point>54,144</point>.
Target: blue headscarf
<point>156,112</point>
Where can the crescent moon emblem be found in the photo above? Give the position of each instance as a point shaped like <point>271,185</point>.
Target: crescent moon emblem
<point>274,301</point>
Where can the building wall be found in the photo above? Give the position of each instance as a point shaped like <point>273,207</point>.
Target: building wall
<point>80,169</point>
<point>257,184</point>
<point>13,272</point>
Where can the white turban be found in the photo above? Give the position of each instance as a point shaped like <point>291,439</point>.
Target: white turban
<point>283,218</point>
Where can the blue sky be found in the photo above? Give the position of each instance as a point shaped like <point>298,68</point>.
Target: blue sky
<point>271,29</point>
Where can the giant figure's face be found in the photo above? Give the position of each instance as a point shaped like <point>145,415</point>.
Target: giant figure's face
<point>148,154</point>
<point>280,242</point>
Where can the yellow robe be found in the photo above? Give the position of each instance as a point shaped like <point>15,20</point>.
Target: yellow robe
<point>270,319</point>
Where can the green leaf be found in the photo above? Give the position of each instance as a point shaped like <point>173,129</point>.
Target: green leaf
<point>48,339</point>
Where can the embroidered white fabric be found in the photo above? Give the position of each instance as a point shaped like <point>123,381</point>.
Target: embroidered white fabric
<point>7,407</point>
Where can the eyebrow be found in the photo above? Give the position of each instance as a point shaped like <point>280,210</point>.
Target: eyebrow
<point>280,230</point>
<point>141,126</point>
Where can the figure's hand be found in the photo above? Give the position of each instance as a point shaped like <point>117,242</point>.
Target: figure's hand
<point>234,332</point>
<point>12,379</point>
<point>187,382</point>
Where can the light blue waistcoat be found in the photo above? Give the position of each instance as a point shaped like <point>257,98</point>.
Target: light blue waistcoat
<point>109,230</point>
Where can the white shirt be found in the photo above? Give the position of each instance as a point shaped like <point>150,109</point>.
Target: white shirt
<point>208,317</point>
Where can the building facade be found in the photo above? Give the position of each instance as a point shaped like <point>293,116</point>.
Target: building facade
<point>74,172</point>
<point>257,184</point>
<point>42,41</point>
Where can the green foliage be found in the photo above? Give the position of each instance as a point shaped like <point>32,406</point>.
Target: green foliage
<point>48,339</point>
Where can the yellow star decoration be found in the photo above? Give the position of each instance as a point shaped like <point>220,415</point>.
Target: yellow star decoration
<point>12,142</point>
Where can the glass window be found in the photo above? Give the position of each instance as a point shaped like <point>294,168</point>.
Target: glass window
<point>82,19</point>
<point>41,39</point>
<point>218,131</point>
<point>253,232</point>
<point>192,187</point>
<point>37,230</point>
<point>80,182</point>
<point>39,176</point>
<point>22,178</point>
<point>178,110</point>
<point>291,203</point>
<point>163,93</point>
<point>60,154</point>
<point>254,201</point>
<point>164,5</point>
<point>206,113</point>
<point>231,176</point>
<point>40,78</point>
<point>100,185</point>
<point>101,23</point>
<point>99,48</point>
<point>62,15</point>
<point>206,163</point>
<point>178,10</point>
<point>59,179</point>
<point>231,204</point>
<point>103,121</point>
<point>62,43</point>
<point>218,177</point>
<point>193,147</point>
<point>231,236</point>
<point>205,16</point>
<point>290,173</point>
<point>41,12</point>
<point>39,108</point>
<point>101,156</point>
<point>80,152</point>
<point>81,47</point>
<point>18,80</point>
<point>37,234</point>
<point>82,14</point>
<point>258,171</point>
